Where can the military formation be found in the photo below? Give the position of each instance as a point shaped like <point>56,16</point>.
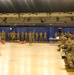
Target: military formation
<point>67,44</point>
<point>27,36</point>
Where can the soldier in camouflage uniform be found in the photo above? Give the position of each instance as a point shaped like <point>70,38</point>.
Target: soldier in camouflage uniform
<point>26,36</point>
<point>18,35</point>
<point>22,36</point>
<point>36,36</point>
<point>45,36</point>
<point>13,35</point>
<point>33,38</point>
<point>41,36</point>
<point>3,35</point>
<point>30,37</point>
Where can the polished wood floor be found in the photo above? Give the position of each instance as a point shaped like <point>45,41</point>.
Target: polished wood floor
<point>35,59</point>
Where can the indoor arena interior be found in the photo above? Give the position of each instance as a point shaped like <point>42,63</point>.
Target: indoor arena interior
<point>36,37</point>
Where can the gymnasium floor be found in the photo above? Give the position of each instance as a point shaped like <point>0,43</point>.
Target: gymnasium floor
<point>35,59</point>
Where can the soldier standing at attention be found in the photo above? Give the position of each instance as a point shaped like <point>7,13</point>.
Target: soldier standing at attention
<point>30,37</point>
<point>11,34</point>
<point>14,35</point>
<point>36,36</point>
<point>40,36</point>
<point>45,36</point>
<point>3,35</point>
<point>26,36</point>
<point>18,36</point>
<point>33,36</point>
<point>22,36</point>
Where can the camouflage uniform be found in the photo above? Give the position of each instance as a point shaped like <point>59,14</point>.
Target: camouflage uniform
<point>45,36</point>
<point>22,36</point>
<point>36,36</point>
<point>30,37</point>
<point>41,36</point>
<point>26,36</point>
<point>18,36</point>
<point>3,35</point>
<point>14,35</point>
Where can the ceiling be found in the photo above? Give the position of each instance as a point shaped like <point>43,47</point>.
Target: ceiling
<point>25,6</point>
